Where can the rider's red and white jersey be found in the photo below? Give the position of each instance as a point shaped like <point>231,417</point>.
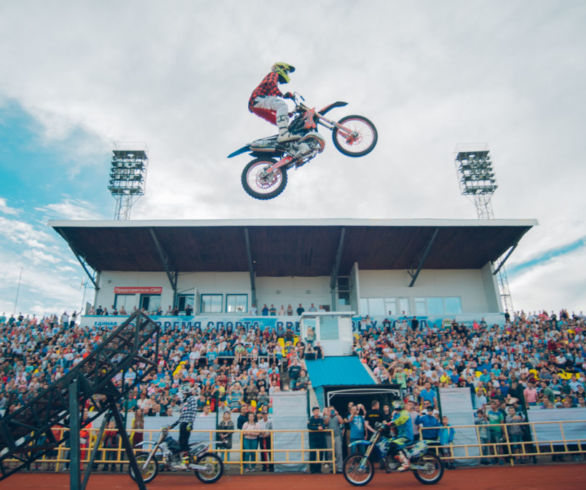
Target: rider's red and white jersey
<point>268,86</point>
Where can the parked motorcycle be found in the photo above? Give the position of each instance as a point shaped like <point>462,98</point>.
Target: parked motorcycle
<point>265,177</point>
<point>359,470</point>
<point>164,454</point>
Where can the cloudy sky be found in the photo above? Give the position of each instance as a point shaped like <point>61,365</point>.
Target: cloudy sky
<point>77,76</point>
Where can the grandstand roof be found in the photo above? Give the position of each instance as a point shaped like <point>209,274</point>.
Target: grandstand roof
<point>290,247</point>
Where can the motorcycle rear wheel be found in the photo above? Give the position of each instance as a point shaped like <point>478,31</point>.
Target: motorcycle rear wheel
<point>434,472</point>
<point>359,140</point>
<point>358,470</point>
<point>260,185</point>
<point>150,472</point>
<point>215,465</point>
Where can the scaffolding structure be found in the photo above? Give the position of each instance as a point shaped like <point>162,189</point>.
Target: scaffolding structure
<point>127,179</point>
<point>477,180</point>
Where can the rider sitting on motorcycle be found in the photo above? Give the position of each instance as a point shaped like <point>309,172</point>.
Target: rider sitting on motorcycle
<point>267,101</point>
<point>185,421</point>
<point>404,436</point>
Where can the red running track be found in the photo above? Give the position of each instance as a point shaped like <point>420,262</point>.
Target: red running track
<point>566,476</point>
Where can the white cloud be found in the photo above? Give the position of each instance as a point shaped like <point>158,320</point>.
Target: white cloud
<point>4,208</point>
<point>70,209</point>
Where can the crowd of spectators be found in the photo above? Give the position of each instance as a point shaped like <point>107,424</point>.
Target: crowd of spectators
<point>229,367</point>
<point>532,361</point>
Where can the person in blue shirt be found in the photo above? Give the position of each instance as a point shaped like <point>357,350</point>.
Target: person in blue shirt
<point>446,438</point>
<point>428,394</point>
<point>355,421</point>
<point>428,420</point>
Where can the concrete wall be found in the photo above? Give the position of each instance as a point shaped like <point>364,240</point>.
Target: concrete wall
<point>470,285</point>
<point>476,288</point>
<point>293,290</point>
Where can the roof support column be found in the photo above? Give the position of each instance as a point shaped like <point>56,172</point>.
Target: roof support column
<point>336,268</point>
<point>250,268</point>
<point>423,257</point>
<point>171,271</point>
<point>83,263</point>
<point>499,267</point>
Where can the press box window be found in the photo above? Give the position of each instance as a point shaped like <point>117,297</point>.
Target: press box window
<point>236,303</point>
<point>211,303</point>
<point>184,300</point>
<point>150,302</point>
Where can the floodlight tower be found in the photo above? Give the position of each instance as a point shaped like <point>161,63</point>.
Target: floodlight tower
<point>127,178</point>
<point>477,180</point>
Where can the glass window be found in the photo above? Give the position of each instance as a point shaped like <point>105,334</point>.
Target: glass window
<point>404,306</point>
<point>435,306</point>
<point>376,306</point>
<point>420,308</point>
<point>150,302</point>
<point>236,303</point>
<point>328,328</point>
<point>211,303</point>
<point>391,306</point>
<point>185,300</point>
<point>453,306</point>
<point>128,301</point>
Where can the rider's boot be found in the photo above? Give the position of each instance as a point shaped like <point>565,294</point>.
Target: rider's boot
<point>405,464</point>
<point>284,134</point>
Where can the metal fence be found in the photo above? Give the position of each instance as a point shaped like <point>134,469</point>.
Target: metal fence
<point>494,442</point>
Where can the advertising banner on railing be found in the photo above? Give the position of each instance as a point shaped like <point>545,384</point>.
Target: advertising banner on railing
<point>279,323</point>
<point>456,404</point>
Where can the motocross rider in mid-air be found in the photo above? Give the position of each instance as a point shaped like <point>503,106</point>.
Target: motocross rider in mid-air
<point>267,101</point>
<point>402,421</point>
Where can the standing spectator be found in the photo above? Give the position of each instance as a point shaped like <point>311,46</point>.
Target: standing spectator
<point>335,423</point>
<point>243,417</point>
<point>300,309</point>
<point>495,420</point>
<point>515,432</point>
<point>273,310</point>
<point>250,434</point>
<point>289,310</point>
<point>430,424</point>
<point>356,424</point>
<point>483,434</point>
<point>137,427</point>
<point>446,438</point>
<point>316,424</point>
<point>265,426</point>
<point>225,438</point>
<point>110,446</point>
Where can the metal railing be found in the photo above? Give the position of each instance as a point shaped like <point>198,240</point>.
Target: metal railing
<point>502,441</point>
<point>58,459</point>
<point>493,442</point>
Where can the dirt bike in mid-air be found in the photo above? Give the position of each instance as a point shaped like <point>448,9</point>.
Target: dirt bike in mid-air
<point>164,454</point>
<point>265,177</point>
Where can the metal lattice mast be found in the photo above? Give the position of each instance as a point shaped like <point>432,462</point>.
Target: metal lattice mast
<point>477,180</point>
<point>127,179</point>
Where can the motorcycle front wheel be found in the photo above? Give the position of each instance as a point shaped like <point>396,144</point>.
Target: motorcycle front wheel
<point>259,183</point>
<point>149,472</point>
<point>355,136</point>
<point>358,470</point>
<point>214,468</point>
<point>433,469</point>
